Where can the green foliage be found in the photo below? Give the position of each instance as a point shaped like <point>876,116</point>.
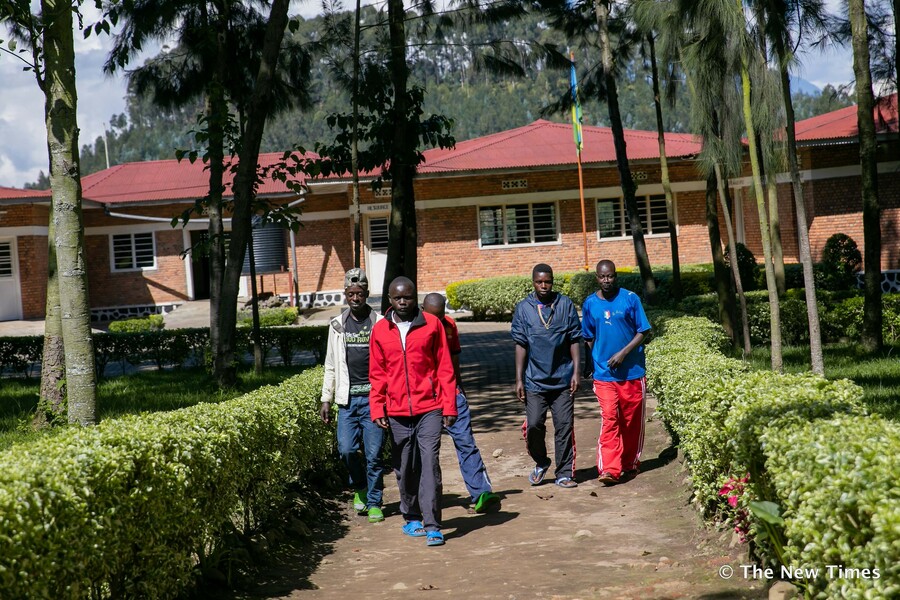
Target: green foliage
<point>747,267</point>
<point>269,317</point>
<point>148,323</point>
<point>495,296</point>
<point>18,354</point>
<point>167,348</point>
<point>837,483</point>
<point>452,293</point>
<point>134,501</point>
<point>816,476</point>
<point>841,315</point>
<point>841,260</point>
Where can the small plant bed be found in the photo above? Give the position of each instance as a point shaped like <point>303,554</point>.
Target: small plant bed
<point>150,391</point>
<point>877,373</point>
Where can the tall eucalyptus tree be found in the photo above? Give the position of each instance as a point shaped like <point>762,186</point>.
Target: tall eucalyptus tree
<point>50,55</point>
<point>217,57</point>
<point>873,337</point>
<point>784,21</point>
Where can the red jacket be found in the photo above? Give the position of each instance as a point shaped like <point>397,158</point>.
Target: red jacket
<point>413,381</point>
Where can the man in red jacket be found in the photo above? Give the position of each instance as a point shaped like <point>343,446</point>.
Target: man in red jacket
<point>414,393</point>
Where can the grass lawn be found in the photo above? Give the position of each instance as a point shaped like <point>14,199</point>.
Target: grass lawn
<point>877,373</point>
<point>148,391</point>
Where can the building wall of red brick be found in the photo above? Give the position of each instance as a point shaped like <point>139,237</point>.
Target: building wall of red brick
<point>449,238</point>
<point>165,284</point>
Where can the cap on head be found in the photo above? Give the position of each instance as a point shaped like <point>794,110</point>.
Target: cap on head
<point>356,276</point>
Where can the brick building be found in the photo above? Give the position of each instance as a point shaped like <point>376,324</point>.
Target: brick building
<point>491,206</point>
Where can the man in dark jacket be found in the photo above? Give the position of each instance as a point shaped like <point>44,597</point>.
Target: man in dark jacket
<point>547,333</point>
<point>414,393</point>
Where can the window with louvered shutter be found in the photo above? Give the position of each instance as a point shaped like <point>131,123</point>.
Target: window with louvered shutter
<point>133,251</point>
<point>6,266</point>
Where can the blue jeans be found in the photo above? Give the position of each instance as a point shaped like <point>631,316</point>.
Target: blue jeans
<point>354,425</point>
<point>471,465</point>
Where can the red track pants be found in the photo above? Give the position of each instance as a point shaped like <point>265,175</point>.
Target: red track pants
<point>621,425</point>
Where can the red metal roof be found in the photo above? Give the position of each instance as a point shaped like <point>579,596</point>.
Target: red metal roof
<point>544,143</point>
<point>164,180</point>
<point>841,123</point>
<point>8,193</point>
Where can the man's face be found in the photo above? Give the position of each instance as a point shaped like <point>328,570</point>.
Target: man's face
<point>607,278</point>
<point>543,285</point>
<point>356,296</point>
<point>403,300</point>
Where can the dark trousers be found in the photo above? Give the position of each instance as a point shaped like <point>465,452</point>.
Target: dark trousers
<point>416,457</point>
<point>561,405</point>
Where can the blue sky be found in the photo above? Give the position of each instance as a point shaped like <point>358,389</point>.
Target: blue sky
<point>23,150</point>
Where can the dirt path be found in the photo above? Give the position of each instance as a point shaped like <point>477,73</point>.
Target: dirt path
<point>636,540</point>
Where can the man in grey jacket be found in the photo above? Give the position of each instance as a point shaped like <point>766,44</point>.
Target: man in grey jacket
<point>346,383</point>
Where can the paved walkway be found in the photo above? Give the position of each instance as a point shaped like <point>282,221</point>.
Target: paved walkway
<point>637,540</point>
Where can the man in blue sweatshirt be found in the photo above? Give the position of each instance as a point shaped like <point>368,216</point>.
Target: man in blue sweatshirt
<point>547,333</point>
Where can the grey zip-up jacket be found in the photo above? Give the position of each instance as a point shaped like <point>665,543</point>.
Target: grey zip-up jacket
<point>336,385</point>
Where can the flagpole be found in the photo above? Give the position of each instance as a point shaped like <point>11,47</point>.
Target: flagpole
<point>583,220</point>
<point>579,143</point>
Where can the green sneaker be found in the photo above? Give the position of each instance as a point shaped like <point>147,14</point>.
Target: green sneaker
<point>487,502</point>
<point>359,501</point>
<point>375,515</point>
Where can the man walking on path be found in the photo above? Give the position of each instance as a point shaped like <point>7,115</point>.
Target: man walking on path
<point>413,393</point>
<point>346,383</point>
<point>471,465</point>
<point>614,327</point>
<point>547,333</point>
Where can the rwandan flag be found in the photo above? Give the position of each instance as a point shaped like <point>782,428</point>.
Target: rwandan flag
<point>576,107</point>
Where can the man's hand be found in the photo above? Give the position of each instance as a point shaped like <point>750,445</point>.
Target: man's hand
<point>520,391</point>
<point>615,361</point>
<point>325,412</point>
<point>449,421</point>
<point>382,422</point>
<point>573,385</point>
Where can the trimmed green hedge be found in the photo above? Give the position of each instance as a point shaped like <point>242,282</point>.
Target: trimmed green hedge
<point>148,323</point>
<point>172,347</point>
<point>799,446</point>
<point>19,354</point>
<point>499,295</point>
<point>840,315</point>
<point>269,317</point>
<point>128,508</point>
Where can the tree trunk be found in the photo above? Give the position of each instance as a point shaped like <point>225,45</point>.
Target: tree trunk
<point>896,7</point>
<point>254,308</point>
<point>52,402</point>
<point>817,360</point>
<point>666,183</point>
<point>627,182</point>
<point>217,111</point>
<point>774,307</point>
<point>720,270</point>
<point>65,180</point>
<point>402,230</point>
<point>354,144</point>
<point>775,232</point>
<point>732,252</point>
<point>865,105</point>
<point>246,177</point>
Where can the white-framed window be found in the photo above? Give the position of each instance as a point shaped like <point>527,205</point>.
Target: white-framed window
<point>612,220</point>
<point>132,251</point>
<point>517,224</point>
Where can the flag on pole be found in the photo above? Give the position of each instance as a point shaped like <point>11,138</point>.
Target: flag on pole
<point>576,107</point>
